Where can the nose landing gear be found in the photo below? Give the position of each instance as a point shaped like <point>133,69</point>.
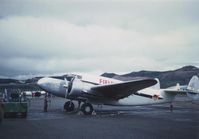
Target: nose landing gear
<point>69,106</point>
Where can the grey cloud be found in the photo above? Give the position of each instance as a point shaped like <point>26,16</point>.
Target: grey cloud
<point>124,14</point>
<point>41,37</point>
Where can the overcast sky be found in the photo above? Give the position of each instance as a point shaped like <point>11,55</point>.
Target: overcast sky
<point>66,36</point>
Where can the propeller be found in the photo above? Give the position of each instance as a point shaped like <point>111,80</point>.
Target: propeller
<point>70,84</point>
<point>66,86</point>
<point>74,85</point>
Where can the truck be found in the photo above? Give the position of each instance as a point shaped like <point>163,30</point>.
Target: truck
<point>14,103</point>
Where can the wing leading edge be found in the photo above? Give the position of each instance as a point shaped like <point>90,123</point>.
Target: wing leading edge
<point>124,89</point>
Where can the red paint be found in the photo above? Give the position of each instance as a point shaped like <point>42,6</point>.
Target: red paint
<point>104,81</point>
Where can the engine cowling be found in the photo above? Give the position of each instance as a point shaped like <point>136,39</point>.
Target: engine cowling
<point>75,87</point>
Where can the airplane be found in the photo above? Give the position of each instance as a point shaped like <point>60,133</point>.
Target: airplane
<point>168,95</point>
<point>100,90</point>
<point>91,89</point>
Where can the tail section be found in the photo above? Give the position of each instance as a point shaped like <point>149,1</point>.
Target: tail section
<point>193,88</point>
<point>193,84</point>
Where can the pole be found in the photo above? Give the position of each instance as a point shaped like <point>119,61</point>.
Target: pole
<point>1,112</point>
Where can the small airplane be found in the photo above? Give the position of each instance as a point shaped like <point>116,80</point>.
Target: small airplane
<point>106,91</point>
<point>168,95</point>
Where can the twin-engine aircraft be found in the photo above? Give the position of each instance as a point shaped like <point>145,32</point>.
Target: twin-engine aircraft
<point>106,91</point>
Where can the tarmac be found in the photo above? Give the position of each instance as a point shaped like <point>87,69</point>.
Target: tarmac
<point>108,122</point>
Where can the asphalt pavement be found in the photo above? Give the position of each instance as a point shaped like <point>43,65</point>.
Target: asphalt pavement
<point>108,122</point>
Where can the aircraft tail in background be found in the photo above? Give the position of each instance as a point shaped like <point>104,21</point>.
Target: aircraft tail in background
<point>193,88</point>
<point>193,84</point>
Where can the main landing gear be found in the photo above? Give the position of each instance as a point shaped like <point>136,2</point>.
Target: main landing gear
<point>86,108</point>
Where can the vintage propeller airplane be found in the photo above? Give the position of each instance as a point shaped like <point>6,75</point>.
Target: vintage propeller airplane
<point>100,90</point>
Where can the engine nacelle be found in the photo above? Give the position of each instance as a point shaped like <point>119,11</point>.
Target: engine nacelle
<point>75,87</point>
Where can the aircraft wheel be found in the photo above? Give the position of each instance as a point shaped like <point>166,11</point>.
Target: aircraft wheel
<point>69,106</point>
<point>87,108</point>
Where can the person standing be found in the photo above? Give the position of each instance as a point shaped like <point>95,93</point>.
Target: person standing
<point>46,103</point>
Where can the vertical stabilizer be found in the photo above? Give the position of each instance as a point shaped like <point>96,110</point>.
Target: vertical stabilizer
<point>193,84</point>
<point>177,87</point>
<point>193,88</point>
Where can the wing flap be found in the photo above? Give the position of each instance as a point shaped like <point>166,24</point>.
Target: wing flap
<point>124,89</point>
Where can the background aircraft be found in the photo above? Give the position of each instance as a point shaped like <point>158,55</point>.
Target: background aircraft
<point>167,95</point>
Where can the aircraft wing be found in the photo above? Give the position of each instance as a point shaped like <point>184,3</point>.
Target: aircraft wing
<point>124,89</point>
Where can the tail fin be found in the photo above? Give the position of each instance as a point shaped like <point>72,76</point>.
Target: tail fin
<point>157,85</point>
<point>193,84</point>
<point>193,88</point>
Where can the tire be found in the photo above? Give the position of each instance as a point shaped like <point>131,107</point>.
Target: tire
<point>69,106</point>
<point>87,109</point>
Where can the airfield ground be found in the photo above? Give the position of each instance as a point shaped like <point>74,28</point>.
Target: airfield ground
<point>140,122</point>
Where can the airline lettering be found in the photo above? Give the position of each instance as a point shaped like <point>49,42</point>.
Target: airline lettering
<point>103,81</point>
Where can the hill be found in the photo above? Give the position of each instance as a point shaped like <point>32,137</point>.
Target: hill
<point>167,78</point>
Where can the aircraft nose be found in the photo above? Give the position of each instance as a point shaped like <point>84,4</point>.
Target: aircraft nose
<point>52,85</point>
<point>42,82</point>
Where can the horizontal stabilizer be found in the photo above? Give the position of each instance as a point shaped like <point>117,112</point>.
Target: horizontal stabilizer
<point>175,91</point>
